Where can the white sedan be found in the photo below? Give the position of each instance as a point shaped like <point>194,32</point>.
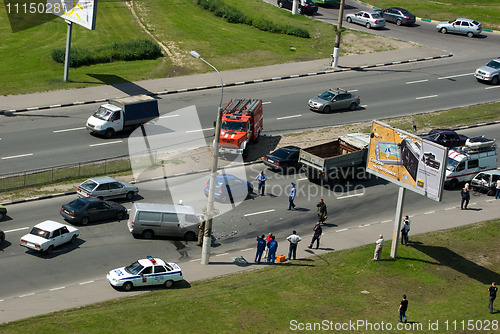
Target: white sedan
<point>367,19</point>
<point>47,235</point>
<point>144,272</point>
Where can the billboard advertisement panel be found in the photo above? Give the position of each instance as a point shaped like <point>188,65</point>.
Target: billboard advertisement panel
<point>407,160</point>
<point>81,12</point>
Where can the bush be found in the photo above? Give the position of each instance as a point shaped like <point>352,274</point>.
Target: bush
<point>132,50</point>
<point>233,15</point>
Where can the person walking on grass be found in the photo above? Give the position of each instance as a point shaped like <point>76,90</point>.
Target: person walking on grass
<point>402,309</point>
<point>261,246</point>
<point>405,230</point>
<point>318,230</point>
<point>378,248</point>
<point>493,294</point>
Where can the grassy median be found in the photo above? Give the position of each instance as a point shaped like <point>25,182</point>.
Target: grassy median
<point>445,275</point>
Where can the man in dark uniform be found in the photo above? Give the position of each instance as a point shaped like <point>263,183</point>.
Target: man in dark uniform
<point>402,309</point>
<point>318,230</point>
<point>321,211</point>
<point>493,294</point>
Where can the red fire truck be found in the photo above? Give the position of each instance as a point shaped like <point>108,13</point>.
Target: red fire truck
<point>242,122</point>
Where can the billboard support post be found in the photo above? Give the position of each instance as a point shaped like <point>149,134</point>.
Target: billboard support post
<point>68,50</point>
<point>397,222</point>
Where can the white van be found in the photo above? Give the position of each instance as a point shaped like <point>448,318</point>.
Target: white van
<point>478,155</point>
<point>150,219</point>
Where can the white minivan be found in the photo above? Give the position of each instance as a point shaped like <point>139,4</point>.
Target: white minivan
<point>151,219</point>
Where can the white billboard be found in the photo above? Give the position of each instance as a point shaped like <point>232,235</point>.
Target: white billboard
<point>81,12</point>
<point>407,160</point>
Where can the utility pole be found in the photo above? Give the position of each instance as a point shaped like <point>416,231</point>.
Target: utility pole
<point>334,59</point>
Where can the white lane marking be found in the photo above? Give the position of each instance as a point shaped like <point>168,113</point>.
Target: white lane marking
<point>452,208</point>
<point>364,225</point>
<point>257,213</point>
<point>17,229</point>
<point>246,249</point>
<point>385,221</point>
<point>66,130</point>
<point>492,87</point>
<point>352,91</point>
<point>342,230</point>
<point>108,143</point>
<point>267,102</point>
<point>194,260</point>
<point>302,179</point>
<point>55,289</point>
<point>168,116</point>
<point>27,295</point>
<point>287,117</point>
<point>199,130</point>
<point>429,212</point>
<point>88,282</point>
<point>363,105</point>
<point>347,196</point>
<point>455,76</point>
<point>18,156</point>
<point>222,254</point>
<point>425,97</point>
<point>416,81</point>
<point>2,300</point>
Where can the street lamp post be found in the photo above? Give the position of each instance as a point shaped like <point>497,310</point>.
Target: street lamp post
<point>207,235</point>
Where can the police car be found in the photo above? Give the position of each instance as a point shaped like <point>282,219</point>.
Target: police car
<point>145,272</point>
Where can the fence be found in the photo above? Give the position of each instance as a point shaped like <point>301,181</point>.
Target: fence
<point>63,173</point>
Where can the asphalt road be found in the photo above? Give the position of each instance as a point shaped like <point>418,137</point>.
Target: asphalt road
<point>103,246</point>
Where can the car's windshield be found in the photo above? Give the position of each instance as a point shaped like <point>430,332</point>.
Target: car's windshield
<point>134,268</point>
<point>234,126</point>
<point>451,164</point>
<point>103,113</point>
<point>77,204</point>
<point>39,232</point>
<point>494,64</point>
<point>328,96</point>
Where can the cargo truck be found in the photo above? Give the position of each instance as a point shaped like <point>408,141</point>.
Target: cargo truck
<point>342,157</point>
<point>121,114</point>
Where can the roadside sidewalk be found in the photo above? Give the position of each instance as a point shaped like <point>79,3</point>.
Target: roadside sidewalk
<point>83,293</point>
<point>61,98</point>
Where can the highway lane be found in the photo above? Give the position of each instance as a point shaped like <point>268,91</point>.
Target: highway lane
<point>55,135</point>
<point>108,245</point>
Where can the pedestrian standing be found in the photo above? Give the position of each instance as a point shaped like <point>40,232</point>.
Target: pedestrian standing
<point>497,195</point>
<point>465,197</point>
<point>291,197</point>
<point>273,247</point>
<point>201,232</point>
<point>268,238</point>
<point>262,178</point>
<point>378,248</point>
<point>318,230</point>
<point>322,212</point>
<point>294,240</point>
<point>405,230</point>
<point>402,309</point>
<point>261,246</point>
<point>493,294</point>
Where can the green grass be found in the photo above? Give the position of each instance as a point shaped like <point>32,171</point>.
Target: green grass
<point>444,274</point>
<point>485,11</point>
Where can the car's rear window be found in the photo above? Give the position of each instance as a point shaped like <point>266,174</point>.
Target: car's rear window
<point>476,23</point>
<point>39,232</point>
<point>375,16</point>
<point>77,204</point>
<point>281,154</point>
<point>88,185</point>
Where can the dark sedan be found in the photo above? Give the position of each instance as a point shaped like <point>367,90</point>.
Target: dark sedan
<point>284,159</point>
<point>398,15</point>
<point>229,188</point>
<point>89,209</point>
<point>446,137</point>
<point>305,7</point>
<point>3,212</point>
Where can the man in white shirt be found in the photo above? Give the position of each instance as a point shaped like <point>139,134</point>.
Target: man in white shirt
<point>293,239</point>
<point>378,248</point>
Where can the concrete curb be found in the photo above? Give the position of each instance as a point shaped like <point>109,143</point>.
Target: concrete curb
<point>168,92</point>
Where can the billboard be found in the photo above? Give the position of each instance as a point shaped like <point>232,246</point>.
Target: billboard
<point>407,160</point>
<point>81,12</point>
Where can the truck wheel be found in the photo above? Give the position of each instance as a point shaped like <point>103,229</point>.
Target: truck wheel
<point>453,184</point>
<point>495,80</point>
<point>245,153</point>
<point>84,221</point>
<point>127,286</point>
<point>130,195</point>
<point>257,138</point>
<point>148,234</point>
<point>109,133</point>
<point>168,284</point>
<point>49,250</point>
<point>190,236</point>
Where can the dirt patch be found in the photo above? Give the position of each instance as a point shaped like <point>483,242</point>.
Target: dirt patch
<point>356,43</point>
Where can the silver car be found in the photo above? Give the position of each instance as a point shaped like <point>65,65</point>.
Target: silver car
<point>334,99</point>
<point>368,19</point>
<point>489,72</point>
<point>105,187</point>
<point>462,26</point>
